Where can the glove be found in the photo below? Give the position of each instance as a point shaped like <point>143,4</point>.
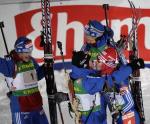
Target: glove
<point>42,43</point>
<point>13,55</point>
<point>80,59</point>
<point>137,64</point>
<point>60,97</point>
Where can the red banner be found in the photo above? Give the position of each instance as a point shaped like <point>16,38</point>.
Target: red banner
<point>67,20</point>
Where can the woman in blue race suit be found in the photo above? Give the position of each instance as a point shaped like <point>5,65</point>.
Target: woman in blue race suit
<point>96,46</point>
<point>22,74</point>
<point>91,84</point>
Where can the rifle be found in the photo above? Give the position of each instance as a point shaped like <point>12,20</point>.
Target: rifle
<point>112,42</point>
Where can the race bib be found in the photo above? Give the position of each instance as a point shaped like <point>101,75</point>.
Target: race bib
<point>86,101</point>
<point>25,80</point>
<point>29,77</point>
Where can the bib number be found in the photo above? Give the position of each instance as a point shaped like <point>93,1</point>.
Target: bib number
<point>30,77</point>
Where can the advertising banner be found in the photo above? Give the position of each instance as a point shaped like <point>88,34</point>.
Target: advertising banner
<point>68,21</point>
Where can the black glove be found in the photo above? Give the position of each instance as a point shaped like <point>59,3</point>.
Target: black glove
<point>42,43</point>
<point>60,97</point>
<point>80,59</point>
<point>9,94</point>
<point>137,64</point>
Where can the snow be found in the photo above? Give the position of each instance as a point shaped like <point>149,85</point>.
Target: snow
<point>5,116</point>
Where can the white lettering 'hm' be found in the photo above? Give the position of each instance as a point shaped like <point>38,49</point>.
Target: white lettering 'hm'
<point>78,28</point>
<point>117,24</point>
<point>62,32</point>
<point>36,25</point>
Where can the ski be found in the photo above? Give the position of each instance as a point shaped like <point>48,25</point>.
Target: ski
<point>48,60</point>
<point>134,54</point>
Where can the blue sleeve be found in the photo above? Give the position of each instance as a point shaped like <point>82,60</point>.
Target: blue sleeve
<point>93,84</point>
<point>5,67</point>
<point>96,84</point>
<point>122,74</point>
<point>119,77</point>
<point>129,102</point>
<point>39,70</point>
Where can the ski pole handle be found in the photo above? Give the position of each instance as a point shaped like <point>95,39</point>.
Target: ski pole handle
<point>59,44</point>
<point>106,7</point>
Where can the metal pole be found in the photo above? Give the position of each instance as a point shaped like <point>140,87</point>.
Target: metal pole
<point>1,27</point>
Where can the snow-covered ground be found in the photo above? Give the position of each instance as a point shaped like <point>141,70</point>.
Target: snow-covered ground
<point>5,116</point>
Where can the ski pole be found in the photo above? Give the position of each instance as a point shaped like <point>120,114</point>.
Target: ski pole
<point>61,115</point>
<point>1,27</point>
<point>59,44</point>
<point>70,85</point>
<point>106,7</point>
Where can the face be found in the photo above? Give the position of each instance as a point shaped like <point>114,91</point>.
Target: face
<point>25,56</point>
<point>95,65</point>
<point>90,40</point>
<point>101,67</point>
